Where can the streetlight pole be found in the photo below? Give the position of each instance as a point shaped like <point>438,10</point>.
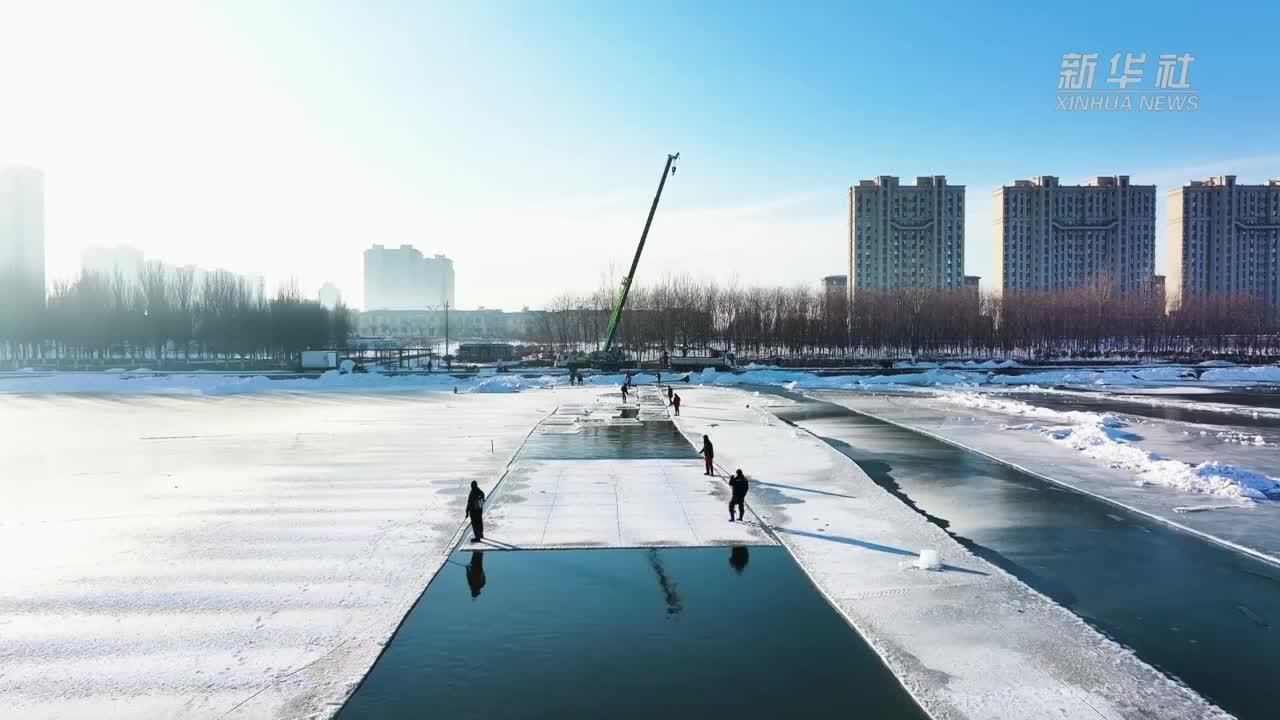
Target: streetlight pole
<point>446,334</point>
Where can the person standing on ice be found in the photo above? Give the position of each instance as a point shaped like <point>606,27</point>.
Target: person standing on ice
<point>707,452</point>
<point>624,393</point>
<point>669,391</point>
<point>738,484</point>
<point>675,403</point>
<point>475,511</point>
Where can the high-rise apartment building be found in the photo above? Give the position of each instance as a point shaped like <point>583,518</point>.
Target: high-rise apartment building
<point>402,279</point>
<point>1224,239</point>
<point>22,231</point>
<point>122,261</point>
<point>330,296</point>
<point>906,236</point>
<point>1051,236</point>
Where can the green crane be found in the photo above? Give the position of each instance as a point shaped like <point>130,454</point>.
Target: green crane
<point>608,355</point>
<point>609,358</point>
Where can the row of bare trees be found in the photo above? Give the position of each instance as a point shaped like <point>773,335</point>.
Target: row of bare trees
<point>797,322</point>
<point>167,315</point>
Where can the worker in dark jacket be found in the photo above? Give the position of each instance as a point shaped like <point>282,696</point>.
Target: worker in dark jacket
<point>624,392</point>
<point>708,453</point>
<point>675,403</point>
<point>738,485</point>
<point>475,509</point>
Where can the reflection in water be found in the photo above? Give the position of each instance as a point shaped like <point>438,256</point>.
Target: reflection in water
<point>568,632</point>
<point>670,591</point>
<point>738,558</point>
<point>475,573</point>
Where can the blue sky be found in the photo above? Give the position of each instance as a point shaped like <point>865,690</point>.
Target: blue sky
<point>524,139</point>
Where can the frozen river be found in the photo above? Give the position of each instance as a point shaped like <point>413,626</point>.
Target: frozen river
<point>242,556</point>
<point>1199,611</point>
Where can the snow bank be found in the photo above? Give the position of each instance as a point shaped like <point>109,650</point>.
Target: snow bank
<point>1052,378</point>
<point>987,364</point>
<point>1216,363</point>
<point>1103,437</point>
<point>332,381</point>
<point>796,380</point>
<point>923,364</point>
<point>1252,374</point>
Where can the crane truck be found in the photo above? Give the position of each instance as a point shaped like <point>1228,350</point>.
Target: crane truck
<point>608,358</point>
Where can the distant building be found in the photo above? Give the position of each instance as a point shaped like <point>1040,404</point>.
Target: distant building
<point>1158,287</point>
<point>330,296</point>
<point>1224,238</point>
<point>906,236</point>
<point>22,229</point>
<point>1051,236</point>
<point>973,287</point>
<point>402,279</point>
<point>838,284</point>
<point>123,261</point>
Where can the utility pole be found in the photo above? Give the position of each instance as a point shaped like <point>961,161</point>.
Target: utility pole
<point>446,334</point>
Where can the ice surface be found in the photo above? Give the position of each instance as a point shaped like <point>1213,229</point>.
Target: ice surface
<point>614,503</point>
<point>239,557</point>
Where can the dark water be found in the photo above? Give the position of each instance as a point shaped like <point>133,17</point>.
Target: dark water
<point>681,633</point>
<point>1196,610</point>
<point>652,439</point>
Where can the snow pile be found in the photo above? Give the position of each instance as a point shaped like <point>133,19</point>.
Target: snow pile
<point>923,364</point>
<point>1251,374</point>
<point>1235,436</point>
<point>1103,437</point>
<point>1216,364</point>
<point>987,364</point>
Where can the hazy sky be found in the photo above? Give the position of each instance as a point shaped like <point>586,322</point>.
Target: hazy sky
<point>524,140</point>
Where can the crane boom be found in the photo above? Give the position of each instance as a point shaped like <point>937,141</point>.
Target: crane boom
<point>616,318</point>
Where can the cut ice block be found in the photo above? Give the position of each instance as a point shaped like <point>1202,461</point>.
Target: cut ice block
<point>929,560</point>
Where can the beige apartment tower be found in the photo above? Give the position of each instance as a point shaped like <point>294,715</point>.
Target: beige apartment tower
<point>1224,239</point>
<point>1051,236</point>
<point>906,236</point>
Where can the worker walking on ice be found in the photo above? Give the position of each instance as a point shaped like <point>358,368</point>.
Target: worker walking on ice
<point>475,511</point>
<point>738,484</point>
<point>675,403</point>
<point>708,452</point>
<point>624,393</point>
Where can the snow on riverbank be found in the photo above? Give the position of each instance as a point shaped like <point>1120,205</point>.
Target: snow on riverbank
<point>1103,437</point>
<point>148,383</point>
<point>926,375</point>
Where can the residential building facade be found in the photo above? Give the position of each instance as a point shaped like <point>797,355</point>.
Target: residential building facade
<point>402,279</point>
<point>329,295</point>
<point>1223,238</point>
<point>906,236</point>
<point>22,232</point>
<point>1050,236</point>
